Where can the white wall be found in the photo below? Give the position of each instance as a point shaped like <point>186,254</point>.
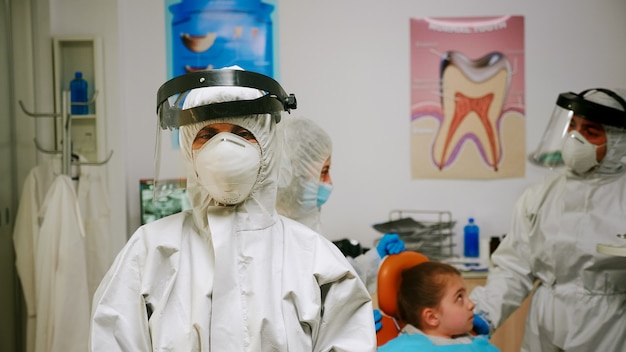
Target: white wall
<point>347,61</point>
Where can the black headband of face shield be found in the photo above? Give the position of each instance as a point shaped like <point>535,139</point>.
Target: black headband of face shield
<point>603,114</point>
<point>274,102</point>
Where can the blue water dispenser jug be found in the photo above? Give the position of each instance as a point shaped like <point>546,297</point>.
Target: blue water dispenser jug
<point>218,33</point>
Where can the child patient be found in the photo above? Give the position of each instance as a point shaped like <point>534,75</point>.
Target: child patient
<point>434,303</point>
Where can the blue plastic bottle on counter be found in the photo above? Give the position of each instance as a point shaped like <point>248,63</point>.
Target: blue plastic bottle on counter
<point>471,240</point>
<point>78,94</point>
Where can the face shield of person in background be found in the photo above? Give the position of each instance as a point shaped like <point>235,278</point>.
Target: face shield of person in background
<point>585,131</point>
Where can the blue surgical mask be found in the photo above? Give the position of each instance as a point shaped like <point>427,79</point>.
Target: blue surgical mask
<point>315,193</point>
<point>323,193</point>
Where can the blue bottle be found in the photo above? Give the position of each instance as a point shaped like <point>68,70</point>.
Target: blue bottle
<point>207,34</point>
<point>78,94</point>
<point>471,239</point>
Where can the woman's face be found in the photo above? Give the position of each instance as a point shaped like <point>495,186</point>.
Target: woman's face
<point>592,131</point>
<point>209,131</point>
<point>325,175</point>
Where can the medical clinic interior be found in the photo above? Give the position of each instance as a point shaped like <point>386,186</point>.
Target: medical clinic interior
<point>440,115</point>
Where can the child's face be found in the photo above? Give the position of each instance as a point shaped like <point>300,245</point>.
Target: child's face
<point>456,314</point>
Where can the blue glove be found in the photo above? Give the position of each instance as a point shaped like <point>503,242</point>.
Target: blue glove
<point>378,320</point>
<point>390,244</point>
<point>481,327</point>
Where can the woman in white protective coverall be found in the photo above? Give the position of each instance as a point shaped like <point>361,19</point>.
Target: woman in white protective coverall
<point>230,274</point>
<point>580,301</point>
<point>306,185</point>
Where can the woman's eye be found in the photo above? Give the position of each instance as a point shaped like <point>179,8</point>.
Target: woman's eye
<point>592,133</point>
<point>247,136</point>
<point>204,136</point>
<point>595,133</point>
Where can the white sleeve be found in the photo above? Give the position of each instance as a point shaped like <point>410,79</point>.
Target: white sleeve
<point>366,266</point>
<point>119,315</point>
<point>511,279</point>
<point>348,318</point>
<point>347,322</point>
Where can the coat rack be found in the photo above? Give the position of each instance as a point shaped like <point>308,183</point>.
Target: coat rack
<point>66,152</point>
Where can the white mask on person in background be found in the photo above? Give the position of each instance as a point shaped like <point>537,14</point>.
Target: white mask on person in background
<point>578,154</point>
<point>227,167</point>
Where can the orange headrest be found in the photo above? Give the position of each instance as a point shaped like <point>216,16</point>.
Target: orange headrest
<point>389,277</point>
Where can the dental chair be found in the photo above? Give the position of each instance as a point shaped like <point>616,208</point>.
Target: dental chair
<point>389,276</point>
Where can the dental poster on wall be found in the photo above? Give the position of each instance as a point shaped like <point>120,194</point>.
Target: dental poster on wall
<point>210,34</point>
<point>467,98</point>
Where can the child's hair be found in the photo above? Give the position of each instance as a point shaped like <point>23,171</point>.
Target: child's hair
<point>422,286</point>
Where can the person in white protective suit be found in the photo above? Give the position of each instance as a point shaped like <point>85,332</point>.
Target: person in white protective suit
<point>230,274</point>
<point>305,185</point>
<point>579,303</point>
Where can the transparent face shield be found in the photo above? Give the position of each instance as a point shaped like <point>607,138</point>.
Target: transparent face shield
<point>548,153</point>
<point>185,102</point>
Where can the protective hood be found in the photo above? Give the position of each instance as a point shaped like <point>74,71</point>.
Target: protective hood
<point>615,136</point>
<point>257,211</point>
<point>306,149</point>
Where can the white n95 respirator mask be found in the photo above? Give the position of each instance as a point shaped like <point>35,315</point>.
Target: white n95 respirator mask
<point>578,154</point>
<point>227,166</point>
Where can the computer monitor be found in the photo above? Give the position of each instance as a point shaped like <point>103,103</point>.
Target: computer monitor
<point>172,199</point>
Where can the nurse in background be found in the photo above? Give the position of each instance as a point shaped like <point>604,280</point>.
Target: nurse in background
<point>305,185</point>
<point>579,304</point>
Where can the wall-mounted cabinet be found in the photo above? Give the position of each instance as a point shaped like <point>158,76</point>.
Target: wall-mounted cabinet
<point>84,54</point>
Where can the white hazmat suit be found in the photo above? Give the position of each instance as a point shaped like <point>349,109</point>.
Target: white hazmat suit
<point>231,278</point>
<point>580,302</point>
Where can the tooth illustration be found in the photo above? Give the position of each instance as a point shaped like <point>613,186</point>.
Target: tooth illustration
<point>198,43</point>
<point>472,98</point>
<point>237,32</point>
<point>189,68</point>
